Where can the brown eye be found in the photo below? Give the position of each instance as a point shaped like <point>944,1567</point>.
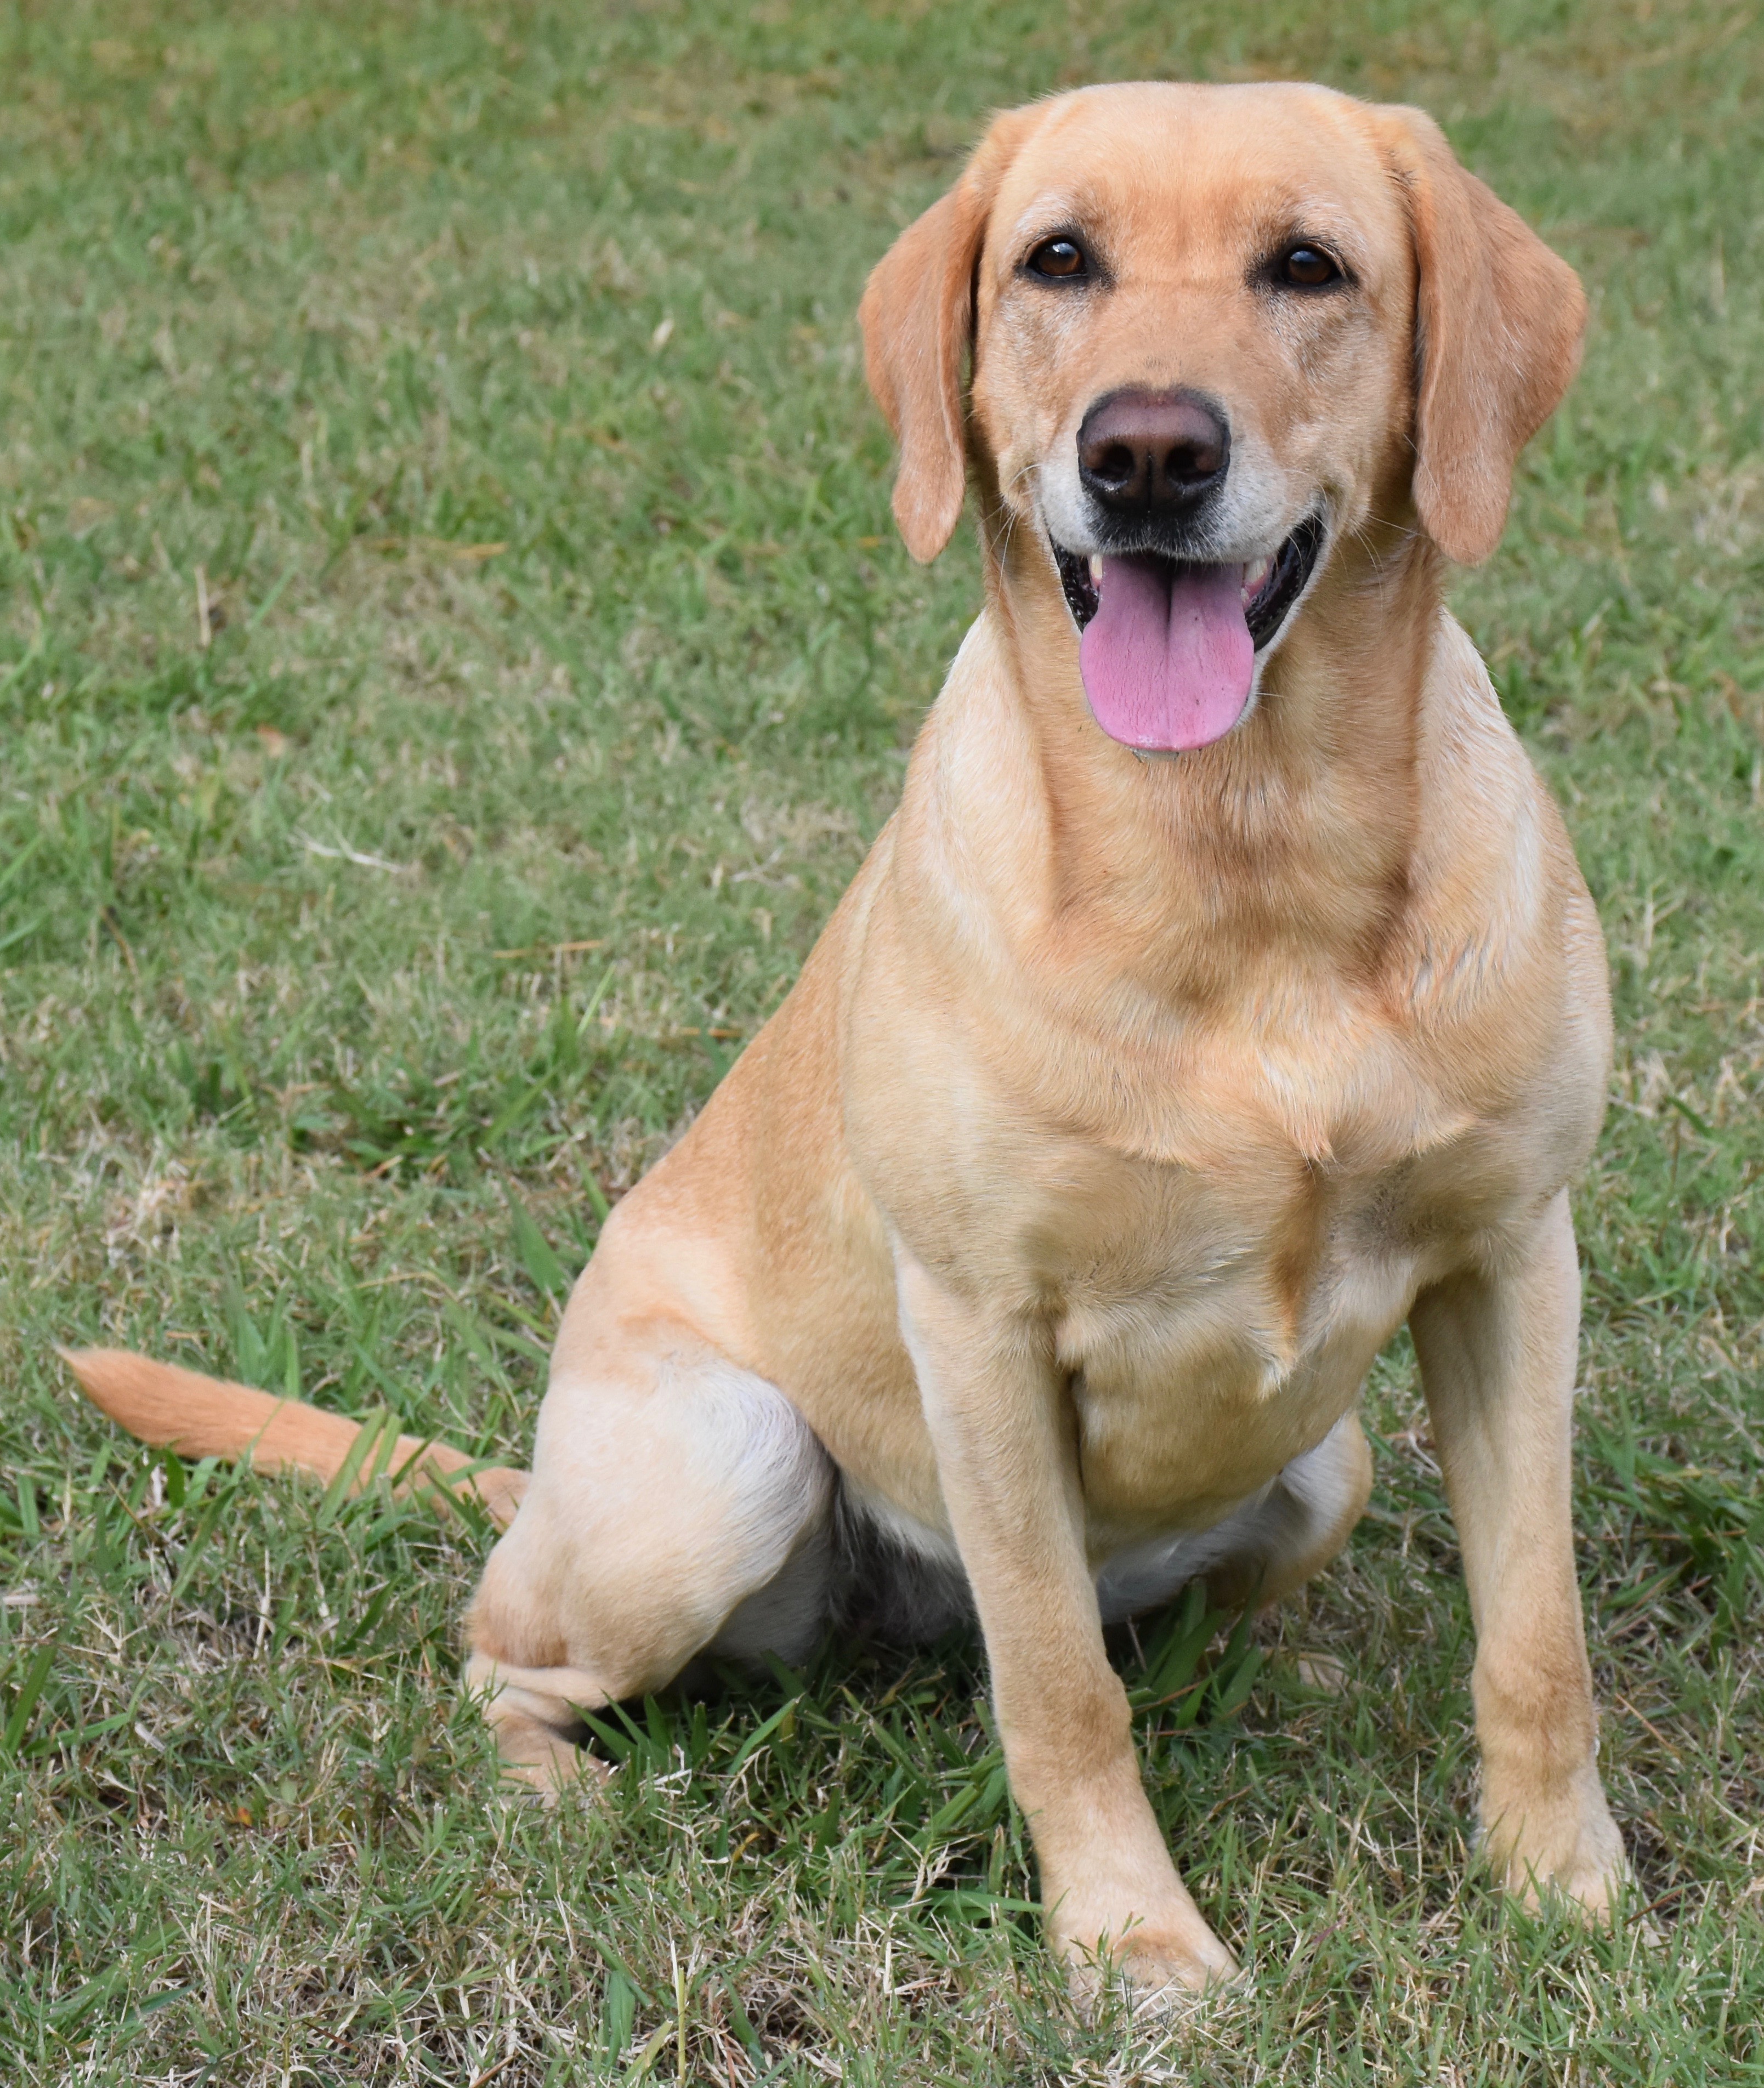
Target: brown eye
<point>1063,259</point>
<point>1308,268</point>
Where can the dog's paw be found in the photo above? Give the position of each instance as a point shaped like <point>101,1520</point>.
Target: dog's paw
<point>1163,1963</point>
<point>535,1756</point>
<point>1565,1850</point>
<point>548,1775</point>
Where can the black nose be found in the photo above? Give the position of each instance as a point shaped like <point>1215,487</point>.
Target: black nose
<point>1152,452</point>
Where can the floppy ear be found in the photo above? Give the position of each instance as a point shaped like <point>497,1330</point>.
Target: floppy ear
<point>1498,325</point>
<point>918,317</point>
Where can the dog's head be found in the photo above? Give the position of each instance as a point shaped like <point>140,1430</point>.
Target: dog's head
<point>1215,331</point>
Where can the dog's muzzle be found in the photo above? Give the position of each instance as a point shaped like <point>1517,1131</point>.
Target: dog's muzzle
<point>1168,646</point>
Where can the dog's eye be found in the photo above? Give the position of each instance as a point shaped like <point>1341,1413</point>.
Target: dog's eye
<point>1061,257</point>
<point>1308,268</point>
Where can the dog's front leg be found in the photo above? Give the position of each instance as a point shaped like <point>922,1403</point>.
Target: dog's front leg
<point>1007,1457</point>
<point>1497,1349</point>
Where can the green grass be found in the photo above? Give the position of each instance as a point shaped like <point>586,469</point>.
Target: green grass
<point>491,372</point>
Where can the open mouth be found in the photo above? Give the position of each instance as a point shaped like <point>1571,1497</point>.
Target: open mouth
<point>1168,646</point>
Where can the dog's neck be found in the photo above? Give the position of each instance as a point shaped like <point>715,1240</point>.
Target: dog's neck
<point>1292,837</point>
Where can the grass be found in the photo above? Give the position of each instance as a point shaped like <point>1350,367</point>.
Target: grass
<point>452,654</point>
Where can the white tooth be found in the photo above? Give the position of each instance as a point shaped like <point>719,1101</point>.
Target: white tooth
<point>1096,571</point>
<point>1253,577</point>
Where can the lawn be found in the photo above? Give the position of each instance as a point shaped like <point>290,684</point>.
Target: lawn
<point>453,652</point>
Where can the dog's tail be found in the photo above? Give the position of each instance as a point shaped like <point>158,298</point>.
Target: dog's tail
<point>205,1417</point>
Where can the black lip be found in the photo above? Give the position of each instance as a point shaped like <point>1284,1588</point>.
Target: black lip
<point>1293,565</point>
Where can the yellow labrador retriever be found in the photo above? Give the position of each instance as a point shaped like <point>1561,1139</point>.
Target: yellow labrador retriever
<point>1223,994</point>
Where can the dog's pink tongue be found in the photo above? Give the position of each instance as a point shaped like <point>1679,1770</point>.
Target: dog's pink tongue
<point>1168,659</point>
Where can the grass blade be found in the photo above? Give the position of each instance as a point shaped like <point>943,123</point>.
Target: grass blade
<point>25,1702</point>
<point>374,1425</point>
<point>537,1256</point>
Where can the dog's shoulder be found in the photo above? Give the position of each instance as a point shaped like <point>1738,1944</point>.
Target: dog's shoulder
<point>1492,860</point>
<point>1499,972</point>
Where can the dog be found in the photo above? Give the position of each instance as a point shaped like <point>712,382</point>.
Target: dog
<point>1222,993</point>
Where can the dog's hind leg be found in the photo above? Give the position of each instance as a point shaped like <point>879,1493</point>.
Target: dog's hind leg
<point>1271,1547</point>
<point>680,1504</point>
<point>1266,1548</point>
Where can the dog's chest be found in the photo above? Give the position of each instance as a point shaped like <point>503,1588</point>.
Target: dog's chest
<point>1217,1323</point>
